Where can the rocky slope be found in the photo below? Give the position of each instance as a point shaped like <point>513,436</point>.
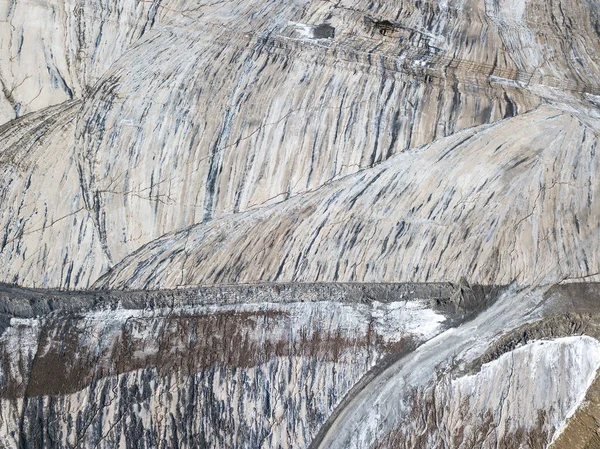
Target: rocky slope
<point>173,121</point>
<point>486,203</point>
<point>288,365</point>
<point>259,367</point>
<point>299,224</point>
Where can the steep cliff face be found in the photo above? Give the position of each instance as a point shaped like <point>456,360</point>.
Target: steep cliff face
<point>55,51</point>
<point>278,366</point>
<point>344,102</point>
<point>299,224</point>
<point>242,372</point>
<point>177,123</point>
<point>486,203</point>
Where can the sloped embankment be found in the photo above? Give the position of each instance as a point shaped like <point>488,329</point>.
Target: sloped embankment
<point>230,366</point>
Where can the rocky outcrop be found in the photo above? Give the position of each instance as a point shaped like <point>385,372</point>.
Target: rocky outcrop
<point>295,366</point>
<point>175,125</point>
<point>170,369</point>
<point>486,204</point>
<point>299,224</point>
<point>520,400</point>
<point>531,385</point>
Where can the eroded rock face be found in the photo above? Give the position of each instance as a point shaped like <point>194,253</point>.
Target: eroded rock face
<point>486,203</point>
<point>241,372</point>
<point>414,158</point>
<point>49,235</point>
<point>173,121</point>
<point>294,366</point>
<point>55,51</point>
<point>519,400</point>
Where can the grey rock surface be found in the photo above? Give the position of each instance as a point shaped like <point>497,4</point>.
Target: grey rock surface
<point>240,366</point>
<point>299,224</point>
